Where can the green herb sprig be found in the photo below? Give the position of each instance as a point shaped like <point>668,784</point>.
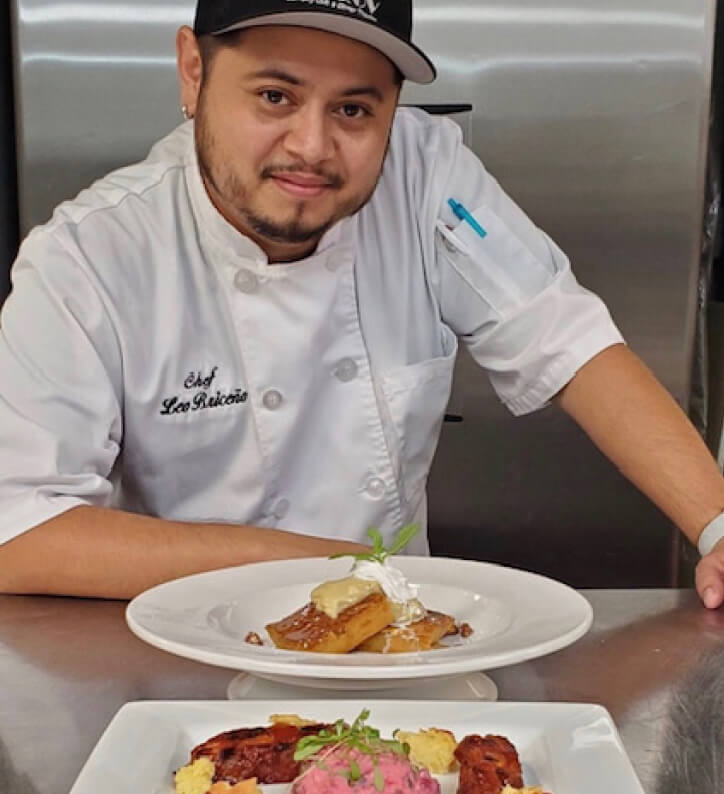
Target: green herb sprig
<point>358,736</point>
<point>379,553</point>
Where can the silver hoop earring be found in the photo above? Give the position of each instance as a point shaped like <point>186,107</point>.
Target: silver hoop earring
<point>185,111</point>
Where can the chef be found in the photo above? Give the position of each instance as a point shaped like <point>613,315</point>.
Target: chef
<point>241,348</point>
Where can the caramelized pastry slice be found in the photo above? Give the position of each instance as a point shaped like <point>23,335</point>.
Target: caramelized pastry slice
<point>421,635</point>
<point>310,629</point>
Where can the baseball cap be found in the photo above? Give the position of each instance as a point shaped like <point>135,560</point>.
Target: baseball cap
<point>385,25</point>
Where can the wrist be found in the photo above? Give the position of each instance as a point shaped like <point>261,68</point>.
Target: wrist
<point>712,533</point>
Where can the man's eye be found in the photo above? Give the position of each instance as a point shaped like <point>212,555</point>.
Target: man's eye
<point>353,111</point>
<point>273,97</point>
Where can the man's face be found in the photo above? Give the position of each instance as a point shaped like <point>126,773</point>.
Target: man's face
<point>291,131</point>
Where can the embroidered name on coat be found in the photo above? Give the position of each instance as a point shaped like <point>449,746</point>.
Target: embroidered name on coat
<point>204,395</point>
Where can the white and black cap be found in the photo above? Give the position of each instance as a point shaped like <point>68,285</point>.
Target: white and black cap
<point>385,25</point>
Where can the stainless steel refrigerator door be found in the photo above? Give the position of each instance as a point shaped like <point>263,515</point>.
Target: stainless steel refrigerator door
<point>592,114</point>
<point>95,86</point>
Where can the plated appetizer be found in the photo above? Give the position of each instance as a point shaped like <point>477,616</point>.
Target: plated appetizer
<point>314,758</point>
<point>373,609</point>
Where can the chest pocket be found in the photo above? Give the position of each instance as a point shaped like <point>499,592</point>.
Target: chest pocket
<point>415,398</point>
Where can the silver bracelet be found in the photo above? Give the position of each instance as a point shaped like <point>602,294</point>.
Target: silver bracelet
<point>712,533</point>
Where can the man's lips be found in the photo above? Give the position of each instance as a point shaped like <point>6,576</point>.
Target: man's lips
<point>301,185</point>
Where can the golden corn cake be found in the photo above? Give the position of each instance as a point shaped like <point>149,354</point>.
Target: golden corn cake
<point>432,748</point>
<point>310,629</point>
<point>420,635</point>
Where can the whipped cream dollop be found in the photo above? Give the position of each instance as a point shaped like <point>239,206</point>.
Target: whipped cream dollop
<point>399,591</point>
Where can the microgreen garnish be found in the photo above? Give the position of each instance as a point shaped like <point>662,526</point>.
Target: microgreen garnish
<point>357,736</point>
<point>360,736</point>
<point>379,553</point>
<point>355,773</point>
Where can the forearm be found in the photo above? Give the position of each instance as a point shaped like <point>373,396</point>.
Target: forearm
<point>97,552</point>
<point>636,423</point>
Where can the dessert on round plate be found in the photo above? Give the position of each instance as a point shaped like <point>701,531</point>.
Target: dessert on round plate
<point>373,609</point>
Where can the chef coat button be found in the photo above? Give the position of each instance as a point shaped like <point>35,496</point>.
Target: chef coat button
<point>281,508</point>
<point>272,399</point>
<point>333,262</point>
<point>375,488</point>
<point>246,281</point>
<point>346,370</point>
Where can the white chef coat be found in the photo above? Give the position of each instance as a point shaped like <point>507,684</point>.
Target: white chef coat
<point>153,360</point>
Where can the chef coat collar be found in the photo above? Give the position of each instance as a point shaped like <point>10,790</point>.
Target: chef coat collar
<point>216,232</point>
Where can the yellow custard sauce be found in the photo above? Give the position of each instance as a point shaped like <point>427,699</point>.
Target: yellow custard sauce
<point>339,594</point>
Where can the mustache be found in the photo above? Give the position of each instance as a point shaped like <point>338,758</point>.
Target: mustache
<point>332,179</point>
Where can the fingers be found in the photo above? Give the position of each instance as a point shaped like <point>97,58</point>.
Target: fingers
<point>710,579</point>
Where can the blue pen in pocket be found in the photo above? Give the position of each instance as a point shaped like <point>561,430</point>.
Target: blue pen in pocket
<point>464,215</point>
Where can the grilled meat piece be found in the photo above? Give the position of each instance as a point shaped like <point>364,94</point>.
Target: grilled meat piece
<point>264,753</point>
<point>479,780</point>
<point>487,764</point>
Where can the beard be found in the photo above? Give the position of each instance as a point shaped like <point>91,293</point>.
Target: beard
<point>233,195</point>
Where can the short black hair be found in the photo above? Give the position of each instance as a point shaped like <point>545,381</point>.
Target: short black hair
<point>210,44</point>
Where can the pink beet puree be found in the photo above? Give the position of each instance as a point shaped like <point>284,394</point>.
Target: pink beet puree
<point>330,774</point>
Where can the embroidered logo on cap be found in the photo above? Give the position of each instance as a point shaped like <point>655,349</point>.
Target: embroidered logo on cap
<point>365,8</point>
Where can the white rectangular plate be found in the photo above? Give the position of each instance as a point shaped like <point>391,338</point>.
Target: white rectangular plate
<point>566,748</point>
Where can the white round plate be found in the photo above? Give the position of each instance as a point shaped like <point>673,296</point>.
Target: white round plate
<point>515,616</point>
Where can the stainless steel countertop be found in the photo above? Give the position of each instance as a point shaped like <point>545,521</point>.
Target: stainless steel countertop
<point>652,658</point>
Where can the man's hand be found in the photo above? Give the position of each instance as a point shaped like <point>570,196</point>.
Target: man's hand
<point>710,577</point>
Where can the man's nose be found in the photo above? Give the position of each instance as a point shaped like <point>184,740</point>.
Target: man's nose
<point>310,135</point>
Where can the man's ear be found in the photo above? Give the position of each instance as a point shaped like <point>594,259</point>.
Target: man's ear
<point>190,69</point>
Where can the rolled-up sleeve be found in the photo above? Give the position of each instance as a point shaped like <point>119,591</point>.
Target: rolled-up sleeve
<point>60,390</point>
<point>510,295</point>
